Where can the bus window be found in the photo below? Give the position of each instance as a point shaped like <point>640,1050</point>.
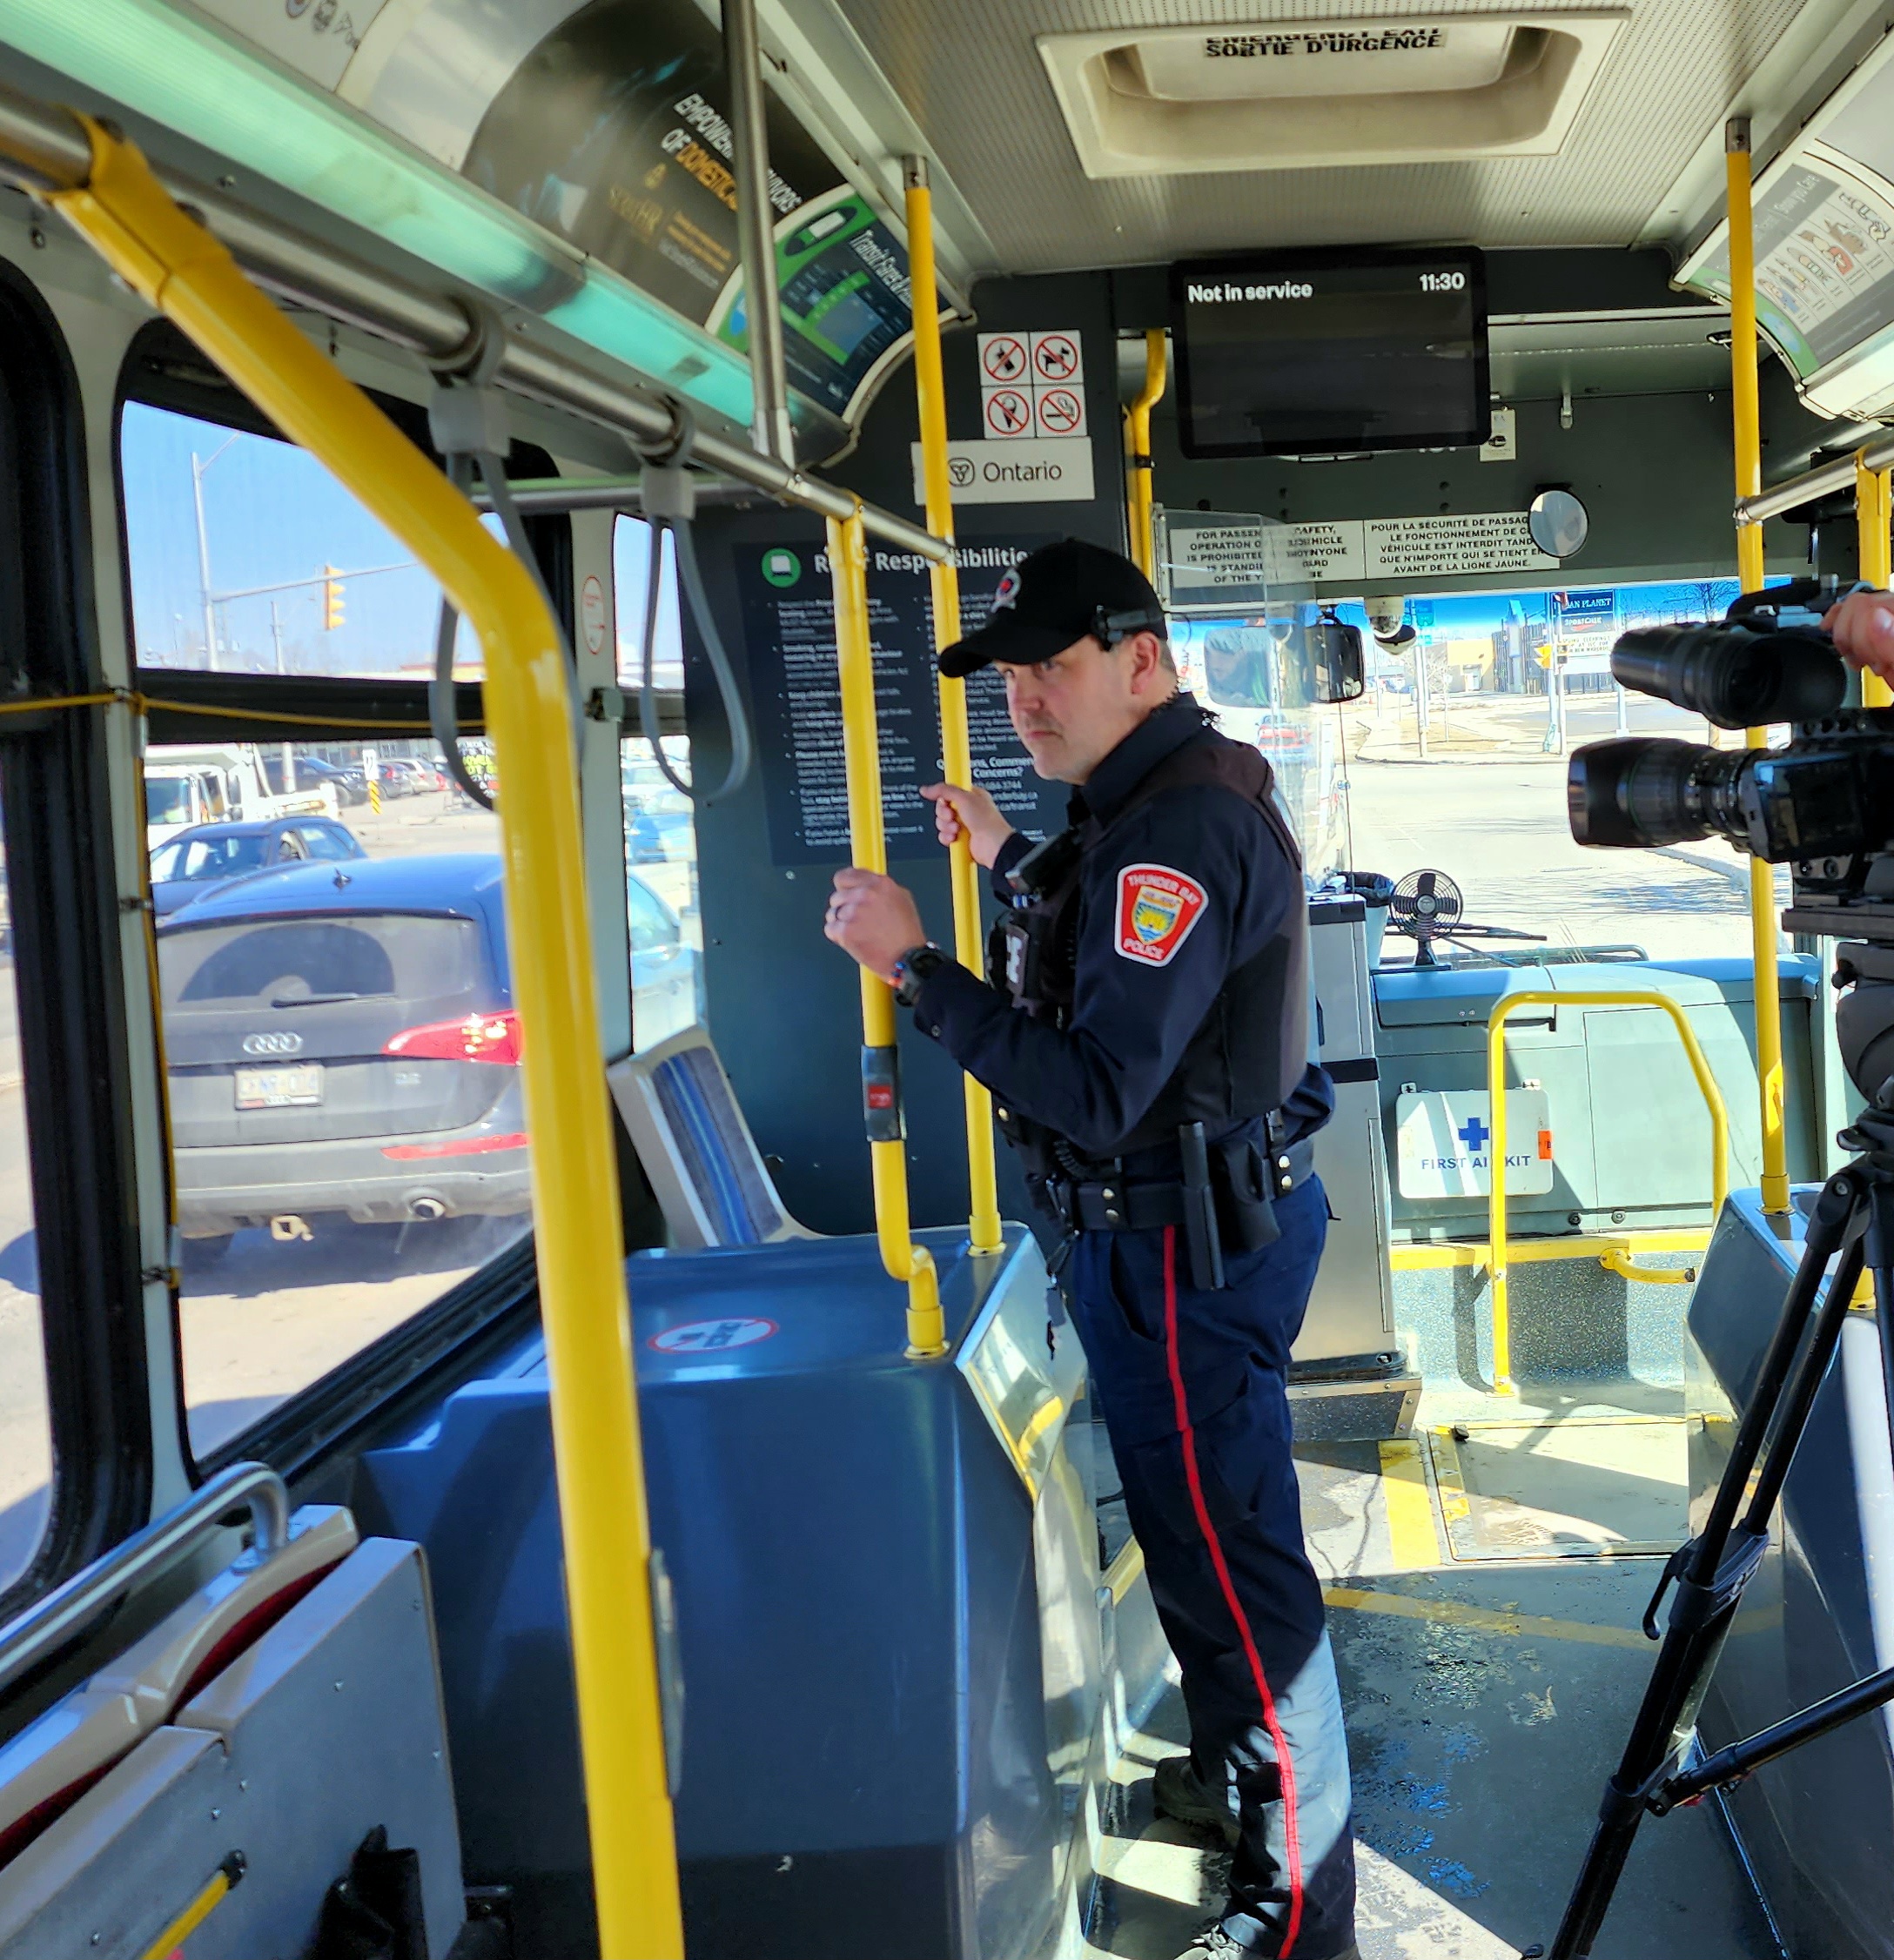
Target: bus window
<point>26,1423</point>
<point>661,833</point>
<point>212,514</point>
<point>347,1132</point>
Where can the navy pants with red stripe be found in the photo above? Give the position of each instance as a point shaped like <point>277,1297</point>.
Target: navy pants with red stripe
<point>1193,1388</point>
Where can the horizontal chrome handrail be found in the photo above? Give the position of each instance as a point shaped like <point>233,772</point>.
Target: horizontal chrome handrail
<point>307,273</point>
<point>49,1623</point>
<point>1813,485</point>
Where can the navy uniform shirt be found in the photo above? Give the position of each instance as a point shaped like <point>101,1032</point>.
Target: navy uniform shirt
<point>1094,1080</point>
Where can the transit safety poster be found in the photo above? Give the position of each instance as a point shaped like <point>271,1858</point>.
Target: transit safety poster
<point>789,630</point>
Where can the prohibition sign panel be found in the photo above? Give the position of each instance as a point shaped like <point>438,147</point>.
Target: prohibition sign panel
<point>1003,359</point>
<point>1008,411</point>
<point>1059,411</point>
<point>713,1337</point>
<point>1056,358</point>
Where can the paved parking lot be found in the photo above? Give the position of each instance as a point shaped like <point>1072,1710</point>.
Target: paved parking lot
<point>1488,808</point>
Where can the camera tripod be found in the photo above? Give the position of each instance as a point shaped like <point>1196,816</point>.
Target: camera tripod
<point>1853,1216</point>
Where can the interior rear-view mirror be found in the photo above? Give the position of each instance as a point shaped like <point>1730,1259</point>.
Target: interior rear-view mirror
<point>1337,660</point>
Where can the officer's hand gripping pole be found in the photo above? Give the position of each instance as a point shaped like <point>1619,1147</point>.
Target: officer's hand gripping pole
<point>881,1098</point>
<point>1853,1217</point>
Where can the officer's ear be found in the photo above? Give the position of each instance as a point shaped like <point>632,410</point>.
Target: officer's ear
<point>1153,669</point>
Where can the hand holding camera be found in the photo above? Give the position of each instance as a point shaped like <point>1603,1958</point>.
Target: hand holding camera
<point>1863,626</point>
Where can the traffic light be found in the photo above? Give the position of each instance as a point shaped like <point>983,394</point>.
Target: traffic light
<point>331,599</point>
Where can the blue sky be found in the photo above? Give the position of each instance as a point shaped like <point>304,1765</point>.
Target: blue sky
<point>1474,616</point>
<point>272,513</point>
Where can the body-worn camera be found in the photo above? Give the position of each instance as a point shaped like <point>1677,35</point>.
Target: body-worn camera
<point>1825,804</point>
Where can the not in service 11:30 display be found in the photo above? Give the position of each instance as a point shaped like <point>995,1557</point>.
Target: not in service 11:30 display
<point>1320,353</point>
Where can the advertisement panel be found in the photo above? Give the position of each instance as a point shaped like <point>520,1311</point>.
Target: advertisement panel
<point>614,133</point>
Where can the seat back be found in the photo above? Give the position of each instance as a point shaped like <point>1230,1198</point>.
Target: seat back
<point>685,1122</point>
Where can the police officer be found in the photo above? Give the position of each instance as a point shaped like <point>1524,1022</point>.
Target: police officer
<point>1144,1031</point>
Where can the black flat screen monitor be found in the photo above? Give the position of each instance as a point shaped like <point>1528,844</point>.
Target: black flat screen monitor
<point>1325,353</point>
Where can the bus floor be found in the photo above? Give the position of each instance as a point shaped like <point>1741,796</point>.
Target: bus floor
<point>1487,1698</point>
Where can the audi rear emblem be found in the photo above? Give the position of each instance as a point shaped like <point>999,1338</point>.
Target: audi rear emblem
<point>283,1043</point>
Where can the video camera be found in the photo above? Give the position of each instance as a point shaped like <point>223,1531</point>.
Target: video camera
<point>1823,804</point>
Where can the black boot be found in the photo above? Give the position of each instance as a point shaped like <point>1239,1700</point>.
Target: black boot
<point>1178,1791</point>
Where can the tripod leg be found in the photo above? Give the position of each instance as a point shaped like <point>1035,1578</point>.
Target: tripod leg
<point>1787,1381</point>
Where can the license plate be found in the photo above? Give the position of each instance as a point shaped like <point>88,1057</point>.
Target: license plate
<point>278,1088</point>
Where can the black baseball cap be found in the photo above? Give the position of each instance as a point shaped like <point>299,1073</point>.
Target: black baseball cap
<point>1056,595</point>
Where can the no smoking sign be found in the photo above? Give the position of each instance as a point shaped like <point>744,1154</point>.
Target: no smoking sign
<point>1059,412</point>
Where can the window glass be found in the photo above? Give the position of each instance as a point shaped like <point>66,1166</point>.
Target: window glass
<point>347,1130</point>
<point>248,557</point>
<point>1257,673</point>
<point>1505,685</point>
<point>319,841</point>
<point>26,1423</point>
<point>661,833</point>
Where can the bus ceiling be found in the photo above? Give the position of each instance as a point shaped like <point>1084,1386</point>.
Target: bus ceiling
<point>1132,142</point>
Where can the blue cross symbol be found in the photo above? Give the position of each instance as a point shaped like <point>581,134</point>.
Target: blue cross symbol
<point>1474,1133</point>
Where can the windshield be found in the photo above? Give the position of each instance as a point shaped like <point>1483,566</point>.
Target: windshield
<point>167,799</point>
<point>210,857</point>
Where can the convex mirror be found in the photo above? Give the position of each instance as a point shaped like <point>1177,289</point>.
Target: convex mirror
<point>1558,523</point>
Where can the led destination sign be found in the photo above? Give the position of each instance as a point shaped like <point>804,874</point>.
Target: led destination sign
<point>1321,353</point>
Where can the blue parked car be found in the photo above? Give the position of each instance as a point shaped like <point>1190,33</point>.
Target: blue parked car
<point>200,860</point>
<point>342,1040</point>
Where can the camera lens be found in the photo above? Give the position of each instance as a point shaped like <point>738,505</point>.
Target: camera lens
<point>1644,791</point>
<point>1733,676</point>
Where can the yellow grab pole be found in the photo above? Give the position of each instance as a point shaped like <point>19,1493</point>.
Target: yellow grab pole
<point>868,842</point>
<point>1706,1083</point>
<point>1872,518</point>
<point>1137,497</point>
<point>1748,450</point>
<point>957,751</point>
<point>186,274</point>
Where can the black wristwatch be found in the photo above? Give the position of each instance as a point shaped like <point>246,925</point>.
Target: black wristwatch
<point>913,967</point>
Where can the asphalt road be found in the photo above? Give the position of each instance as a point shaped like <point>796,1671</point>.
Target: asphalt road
<point>1488,808</point>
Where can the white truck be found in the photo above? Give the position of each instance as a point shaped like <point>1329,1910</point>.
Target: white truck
<point>211,785</point>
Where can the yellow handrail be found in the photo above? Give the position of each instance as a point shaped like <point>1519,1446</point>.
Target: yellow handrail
<point>184,271</point>
<point>1138,499</point>
<point>868,844</point>
<point>1608,996</point>
<point>1872,518</point>
<point>957,751</point>
<point>1749,452</point>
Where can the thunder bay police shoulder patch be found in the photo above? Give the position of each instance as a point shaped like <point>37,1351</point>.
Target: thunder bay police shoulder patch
<point>1157,907</point>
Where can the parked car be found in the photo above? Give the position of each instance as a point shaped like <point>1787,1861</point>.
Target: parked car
<point>658,827</point>
<point>347,1049</point>
<point>664,970</point>
<point>400,778</point>
<point>208,856</point>
<point>420,776</point>
<point>350,786</point>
